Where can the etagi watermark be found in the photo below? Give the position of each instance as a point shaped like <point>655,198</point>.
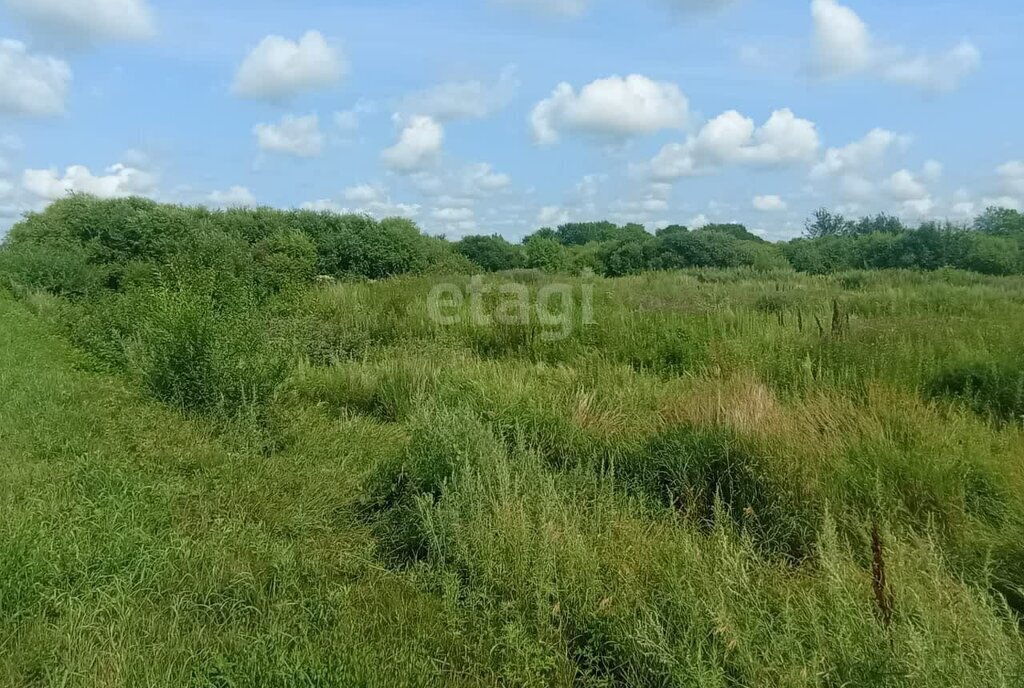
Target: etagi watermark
<point>556,308</point>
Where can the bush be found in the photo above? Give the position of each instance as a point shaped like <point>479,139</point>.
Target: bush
<point>55,266</point>
<point>703,472</point>
<point>283,261</point>
<point>492,253</point>
<point>445,440</point>
<point>546,254</point>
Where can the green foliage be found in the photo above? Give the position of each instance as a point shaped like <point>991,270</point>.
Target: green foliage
<point>492,253</point>
<point>994,388</point>
<point>546,254</point>
<point>360,246</point>
<point>826,224</point>
<point>1001,221</point>
<point>284,261</point>
<point>51,265</point>
<point>736,231</point>
<point>699,248</point>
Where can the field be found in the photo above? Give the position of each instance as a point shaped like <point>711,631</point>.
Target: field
<point>721,478</point>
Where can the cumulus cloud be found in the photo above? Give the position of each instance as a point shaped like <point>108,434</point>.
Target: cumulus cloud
<point>481,179</point>
<point>842,41</point>
<point>462,187</point>
<point>905,186</point>
<point>297,136</point>
<point>552,216</point>
<point>844,46</point>
<point>699,221</point>
<point>364,193</point>
<point>769,204</point>
<point>853,165</point>
<point>118,182</point>
<point>614,107</point>
<point>936,73</point>
<point>235,197</point>
<point>732,138</point>
<point>472,99</point>
<point>419,145</point>
<point>278,68</point>
<point>453,214</point>
<point>366,199</point>
<point>1011,175</point>
<point>860,156</point>
<point>34,85</point>
<point>88,21</point>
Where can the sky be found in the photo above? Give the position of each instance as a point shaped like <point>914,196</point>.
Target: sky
<point>503,116</point>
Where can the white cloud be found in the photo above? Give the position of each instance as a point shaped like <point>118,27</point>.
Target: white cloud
<point>364,193</point>
<point>732,138</point>
<point>348,121</point>
<point>278,68</point>
<point>769,204</point>
<point>936,73</point>
<point>419,144</point>
<point>905,186</point>
<point>860,156</point>
<point>552,216</point>
<point>933,170</point>
<point>842,41</point>
<point>298,136</point>
<point>964,209</point>
<point>368,200</point>
<point>845,47</point>
<point>919,208</point>
<point>854,187</point>
<point>464,99</point>
<point>1003,202</point>
<point>698,221</point>
<point>615,107</point>
<point>119,181</point>
<point>325,205</point>
<point>235,197</point>
<point>480,179</point>
<point>453,214</point>
<point>30,84</point>
<point>1012,176</point>
<point>89,21</point>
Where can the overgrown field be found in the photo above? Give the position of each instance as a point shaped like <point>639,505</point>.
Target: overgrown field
<point>716,478</point>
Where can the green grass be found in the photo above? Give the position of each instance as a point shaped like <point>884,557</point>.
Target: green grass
<point>331,489</point>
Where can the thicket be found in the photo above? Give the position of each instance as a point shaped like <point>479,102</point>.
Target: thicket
<point>993,245</point>
<point>81,245</point>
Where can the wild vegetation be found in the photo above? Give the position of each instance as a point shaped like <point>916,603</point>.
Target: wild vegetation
<point>233,453</point>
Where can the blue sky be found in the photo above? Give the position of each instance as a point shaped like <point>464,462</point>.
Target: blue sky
<point>500,116</point>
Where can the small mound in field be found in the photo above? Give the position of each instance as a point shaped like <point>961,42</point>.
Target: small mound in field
<point>443,442</point>
<point>705,472</point>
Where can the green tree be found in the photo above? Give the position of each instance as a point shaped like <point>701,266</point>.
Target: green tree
<point>825,223</point>
<point>492,253</point>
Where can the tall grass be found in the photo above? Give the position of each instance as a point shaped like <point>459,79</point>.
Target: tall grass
<point>730,478</point>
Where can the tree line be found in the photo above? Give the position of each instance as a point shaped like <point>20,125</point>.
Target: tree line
<point>81,245</point>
